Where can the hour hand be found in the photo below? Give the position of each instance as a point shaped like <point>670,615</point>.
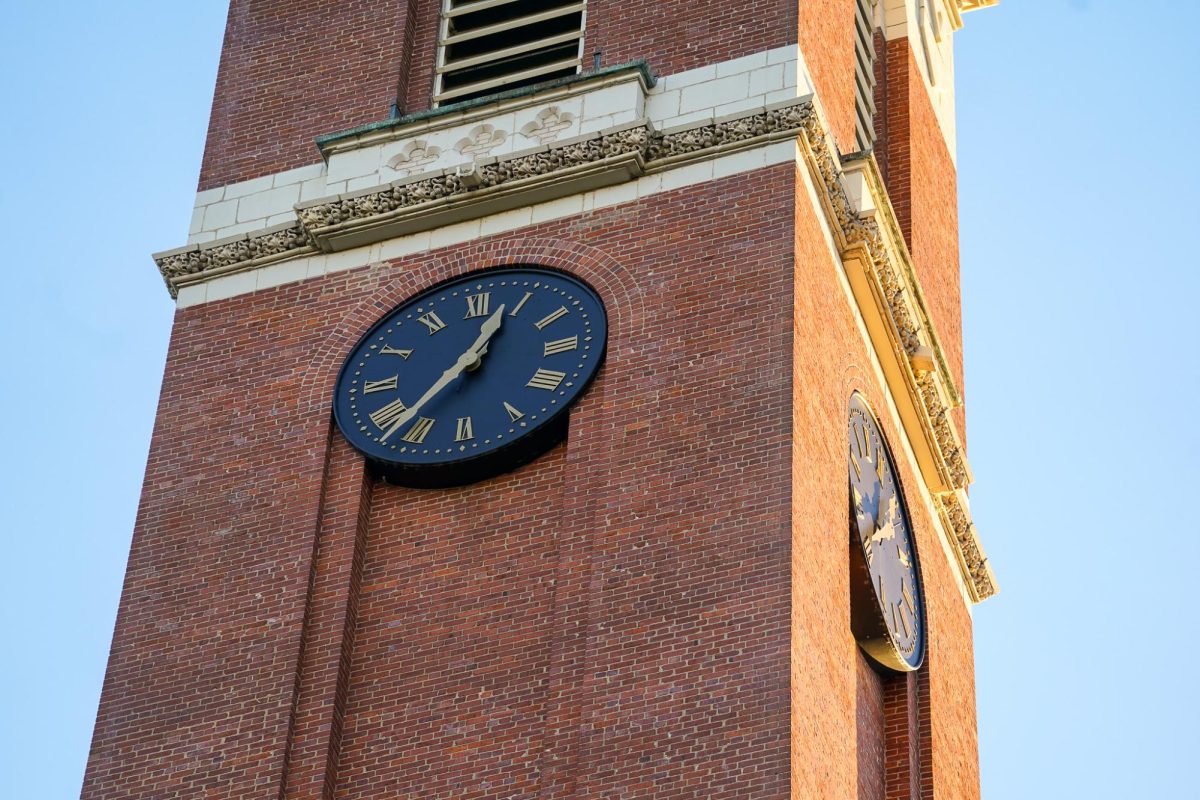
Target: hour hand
<point>488,330</point>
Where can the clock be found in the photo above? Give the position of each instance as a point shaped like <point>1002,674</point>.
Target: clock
<point>472,377</point>
<point>886,599</point>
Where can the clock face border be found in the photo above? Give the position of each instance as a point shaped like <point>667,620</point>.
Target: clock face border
<point>868,620</point>
<point>545,429</point>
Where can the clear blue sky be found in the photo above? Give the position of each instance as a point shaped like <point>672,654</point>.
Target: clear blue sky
<point>1076,126</point>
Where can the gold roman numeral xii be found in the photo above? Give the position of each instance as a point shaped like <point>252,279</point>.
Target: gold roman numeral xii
<point>477,304</point>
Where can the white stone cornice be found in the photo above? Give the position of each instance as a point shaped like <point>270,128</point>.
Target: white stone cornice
<point>428,144</point>
<point>486,188</point>
<point>888,296</point>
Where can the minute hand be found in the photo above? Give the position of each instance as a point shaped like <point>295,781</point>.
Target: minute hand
<point>465,360</point>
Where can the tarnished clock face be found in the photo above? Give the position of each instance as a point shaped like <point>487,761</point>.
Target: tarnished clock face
<point>887,602</point>
<point>472,377</point>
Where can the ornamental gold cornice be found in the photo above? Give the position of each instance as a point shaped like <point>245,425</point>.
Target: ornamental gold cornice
<point>887,292</point>
<point>485,186</point>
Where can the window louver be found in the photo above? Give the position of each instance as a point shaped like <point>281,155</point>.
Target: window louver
<point>487,46</point>
<point>864,73</point>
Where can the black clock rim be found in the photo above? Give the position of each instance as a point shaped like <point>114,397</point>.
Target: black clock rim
<point>904,664</point>
<point>504,459</point>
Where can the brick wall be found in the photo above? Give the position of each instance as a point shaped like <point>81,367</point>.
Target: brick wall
<point>872,738</point>
<point>657,608</point>
<point>291,71</point>
<point>546,629</point>
<point>826,36</point>
<point>831,362</point>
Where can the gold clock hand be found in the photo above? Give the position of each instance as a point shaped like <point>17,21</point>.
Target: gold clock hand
<point>468,358</point>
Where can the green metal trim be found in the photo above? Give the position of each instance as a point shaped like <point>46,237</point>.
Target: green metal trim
<point>640,65</point>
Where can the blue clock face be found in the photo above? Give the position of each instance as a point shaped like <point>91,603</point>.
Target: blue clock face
<point>473,377</point>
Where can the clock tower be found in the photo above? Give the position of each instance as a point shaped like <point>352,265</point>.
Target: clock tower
<point>564,400</point>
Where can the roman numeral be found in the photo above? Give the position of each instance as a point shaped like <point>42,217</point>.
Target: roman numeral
<point>463,431</point>
<point>560,346</point>
<point>553,315</point>
<point>517,308</point>
<point>857,468</point>
<point>420,429</point>
<point>898,611</point>
<point>477,304</point>
<point>391,351</point>
<point>513,414</point>
<point>431,321</point>
<point>908,598</point>
<point>859,438</point>
<point>546,379</point>
<point>384,417</point>
<point>379,386</point>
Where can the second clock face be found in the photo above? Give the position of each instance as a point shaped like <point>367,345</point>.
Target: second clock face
<point>890,622</point>
<point>472,377</point>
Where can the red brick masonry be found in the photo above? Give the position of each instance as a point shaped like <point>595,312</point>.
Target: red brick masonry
<point>657,608</point>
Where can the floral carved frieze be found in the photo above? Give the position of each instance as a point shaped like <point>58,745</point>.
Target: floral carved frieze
<point>899,292</point>
<point>642,140</point>
<point>220,257</point>
<point>974,562</point>
<point>482,175</point>
<point>716,134</point>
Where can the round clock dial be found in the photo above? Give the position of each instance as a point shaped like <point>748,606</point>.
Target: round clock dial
<point>472,377</point>
<point>887,602</point>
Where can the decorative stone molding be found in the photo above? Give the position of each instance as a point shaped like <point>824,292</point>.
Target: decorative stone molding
<point>481,140</point>
<point>787,118</point>
<point>417,155</point>
<point>475,190</point>
<point>956,516</point>
<point>485,187</point>
<point>947,439</point>
<point>887,291</point>
<point>549,124</point>
<point>234,254</point>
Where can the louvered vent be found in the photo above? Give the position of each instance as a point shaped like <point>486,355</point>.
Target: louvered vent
<point>864,73</point>
<point>487,46</point>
